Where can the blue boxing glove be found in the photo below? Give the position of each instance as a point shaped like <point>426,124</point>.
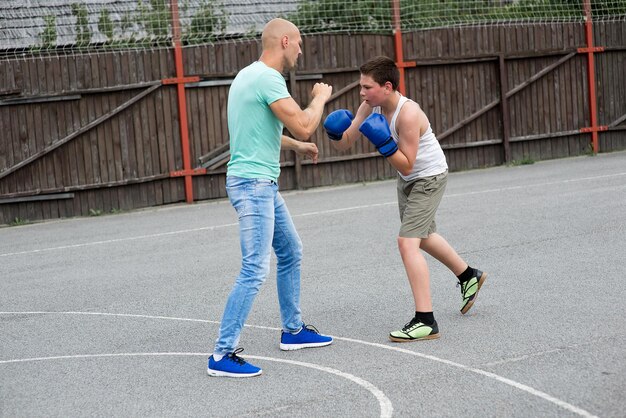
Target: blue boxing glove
<point>337,122</point>
<point>376,129</point>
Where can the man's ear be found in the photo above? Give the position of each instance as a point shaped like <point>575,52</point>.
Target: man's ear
<point>284,42</point>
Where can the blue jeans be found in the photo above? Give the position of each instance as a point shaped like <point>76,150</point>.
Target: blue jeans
<point>264,223</point>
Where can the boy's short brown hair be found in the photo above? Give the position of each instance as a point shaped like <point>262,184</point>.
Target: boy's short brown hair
<point>382,69</point>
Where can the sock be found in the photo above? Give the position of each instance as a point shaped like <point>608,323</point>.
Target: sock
<point>425,317</point>
<point>217,357</point>
<point>466,275</point>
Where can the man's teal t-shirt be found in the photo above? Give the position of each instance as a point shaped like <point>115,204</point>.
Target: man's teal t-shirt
<point>254,130</point>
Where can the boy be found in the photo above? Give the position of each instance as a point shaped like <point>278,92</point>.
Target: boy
<point>401,132</point>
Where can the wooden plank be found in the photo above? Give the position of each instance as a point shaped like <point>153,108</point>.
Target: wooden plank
<point>53,128</point>
<point>111,126</point>
<point>486,73</point>
<point>49,163</point>
<point>470,131</point>
<point>135,149</point>
<point>214,119</point>
<point>107,101</point>
<point>199,137</point>
<point>458,102</point>
<point>105,148</point>
<point>169,127</point>
<point>433,94</point>
<point>11,142</point>
<point>5,149</point>
<point>23,144</point>
<point>544,113</point>
<point>149,133</point>
<point>537,105</point>
<point>148,194</point>
<point>73,206</point>
<point>37,198</point>
<point>222,135</point>
<point>83,71</point>
<point>135,69</point>
<point>159,127</point>
<point>195,107</point>
<point>95,110</point>
<point>129,153</point>
<point>524,104</point>
<point>120,130</point>
<point>492,120</point>
<point>64,122</point>
<point>563,100</point>
<point>116,169</point>
<point>92,186</point>
<point>506,124</point>
<point>201,132</point>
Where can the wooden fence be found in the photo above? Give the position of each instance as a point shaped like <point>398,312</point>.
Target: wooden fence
<point>92,134</point>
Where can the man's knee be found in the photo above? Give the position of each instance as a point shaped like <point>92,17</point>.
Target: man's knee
<point>291,253</point>
<point>253,275</point>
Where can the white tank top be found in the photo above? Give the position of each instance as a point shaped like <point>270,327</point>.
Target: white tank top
<point>430,159</point>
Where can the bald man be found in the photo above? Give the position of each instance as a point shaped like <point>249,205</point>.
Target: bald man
<point>259,106</point>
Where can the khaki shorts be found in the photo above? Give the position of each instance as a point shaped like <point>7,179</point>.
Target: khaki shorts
<point>418,201</point>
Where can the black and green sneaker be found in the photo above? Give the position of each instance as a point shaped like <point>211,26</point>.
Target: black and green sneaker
<point>415,331</point>
<point>470,288</point>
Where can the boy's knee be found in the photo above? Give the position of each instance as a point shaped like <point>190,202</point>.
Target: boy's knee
<point>408,245</point>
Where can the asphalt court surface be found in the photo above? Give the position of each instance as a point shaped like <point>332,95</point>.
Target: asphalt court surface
<point>116,315</point>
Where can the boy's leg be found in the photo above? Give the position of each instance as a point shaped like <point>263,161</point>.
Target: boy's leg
<point>417,272</point>
<point>440,249</point>
<point>417,202</point>
<point>470,279</point>
<point>423,326</point>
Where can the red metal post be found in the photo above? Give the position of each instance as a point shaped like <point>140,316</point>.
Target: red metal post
<point>397,38</point>
<point>180,81</point>
<point>591,78</point>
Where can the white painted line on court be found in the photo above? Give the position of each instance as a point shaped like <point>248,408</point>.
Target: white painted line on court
<point>386,408</point>
<point>527,356</point>
<point>348,209</point>
<point>316,213</point>
<point>512,383</point>
<point>549,183</point>
<point>499,378</point>
<point>112,241</point>
<point>547,352</point>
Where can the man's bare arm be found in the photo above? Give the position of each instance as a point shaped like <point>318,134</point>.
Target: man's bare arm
<point>302,123</point>
<point>303,148</point>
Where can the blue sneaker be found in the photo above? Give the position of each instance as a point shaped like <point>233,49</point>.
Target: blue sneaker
<point>307,337</point>
<point>231,365</point>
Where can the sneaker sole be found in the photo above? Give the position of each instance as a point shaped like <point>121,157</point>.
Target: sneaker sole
<point>291,347</point>
<point>405,340</point>
<point>471,302</point>
<point>218,373</point>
